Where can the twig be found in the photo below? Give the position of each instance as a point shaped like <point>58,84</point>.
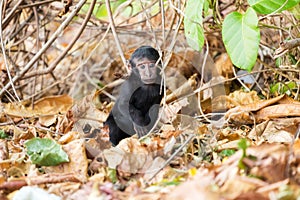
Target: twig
<point>4,53</point>
<point>36,4</point>
<point>113,29</point>
<point>10,14</point>
<point>286,46</point>
<point>45,47</point>
<point>37,180</point>
<point>165,64</point>
<point>78,67</point>
<point>67,49</point>
<point>191,136</point>
<point>162,8</point>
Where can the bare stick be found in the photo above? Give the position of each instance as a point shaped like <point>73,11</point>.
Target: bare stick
<point>67,49</point>
<point>286,46</point>
<point>10,14</point>
<point>191,136</point>
<point>4,52</point>
<point>45,47</point>
<point>113,29</point>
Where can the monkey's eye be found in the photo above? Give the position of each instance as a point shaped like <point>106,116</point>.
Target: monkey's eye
<point>142,66</point>
<point>152,65</point>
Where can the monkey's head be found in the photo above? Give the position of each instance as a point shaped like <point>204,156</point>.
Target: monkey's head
<point>145,65</point>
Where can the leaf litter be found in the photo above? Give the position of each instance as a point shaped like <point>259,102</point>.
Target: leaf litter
<point>255,155</point>
<point>139,169</point>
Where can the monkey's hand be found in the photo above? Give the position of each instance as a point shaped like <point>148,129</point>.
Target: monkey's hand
<point>140,130</point>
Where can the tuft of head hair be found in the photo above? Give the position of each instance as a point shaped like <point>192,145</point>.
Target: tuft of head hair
<point>144,52</point>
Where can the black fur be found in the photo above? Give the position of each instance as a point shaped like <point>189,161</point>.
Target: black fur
<point>138,103</point>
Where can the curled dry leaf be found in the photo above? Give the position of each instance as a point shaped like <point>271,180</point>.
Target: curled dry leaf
<point>244,98</point>
<point>276,130</point>
<point>277,111</point>
<point>169,112</point>
<point>243,114</point>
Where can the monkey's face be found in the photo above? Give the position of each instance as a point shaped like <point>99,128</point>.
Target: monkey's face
<point>148,70</point>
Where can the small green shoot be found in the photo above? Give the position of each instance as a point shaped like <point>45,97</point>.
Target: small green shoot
<point>3,135</point>
<point>243,144</point>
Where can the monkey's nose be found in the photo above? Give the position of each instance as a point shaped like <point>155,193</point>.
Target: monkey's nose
<point>147,72</point>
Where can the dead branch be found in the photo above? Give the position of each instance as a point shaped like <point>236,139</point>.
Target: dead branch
<point>286,46</point>
<point>68,48</point>
<point>44,48</point>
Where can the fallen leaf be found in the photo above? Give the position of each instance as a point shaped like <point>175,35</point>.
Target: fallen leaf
<point>277,111</point>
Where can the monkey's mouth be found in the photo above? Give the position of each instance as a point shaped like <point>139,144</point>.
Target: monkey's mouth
<point>149,81</point>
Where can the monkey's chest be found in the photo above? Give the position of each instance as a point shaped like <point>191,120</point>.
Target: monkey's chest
<point>143,99</point>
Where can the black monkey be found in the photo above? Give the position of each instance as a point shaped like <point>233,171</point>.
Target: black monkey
<point>136,109</point>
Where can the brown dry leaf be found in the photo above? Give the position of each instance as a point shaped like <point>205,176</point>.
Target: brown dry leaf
<point>229,169</point>
<point>136,158</point>
<point>296,148</point>
<point>199,187</point>
<point>276,111</point>
<point>78,163</point>
<point>288,100</point>
<point>276,130</point>
<point>243,115</point>
<point>219,104</point>
<point>64,189</point>
<point>215,87</point>
<point>270,163</point>
<point>129,157</point>
<point>169,112</point>
<point>295,162</point>
<point>46,106</point>
<point>224,66</point>
<point>86,113</point>
<point>234,188</point>
<point>154,167</point>
<point>271,188</point>
<point>244,98</point>
<point>251,195</point>
<point>53,104</point>
<point>3,150</point>
<point>47,120</point>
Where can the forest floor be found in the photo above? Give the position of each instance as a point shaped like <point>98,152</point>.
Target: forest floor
<point>223,133</point>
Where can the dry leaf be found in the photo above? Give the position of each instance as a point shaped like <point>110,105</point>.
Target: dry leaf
<point>277,111</point>
<point>243,115</point>
<point>78,163</point>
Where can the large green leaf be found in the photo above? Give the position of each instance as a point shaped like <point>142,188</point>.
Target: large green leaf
<point>45,152</point>
<point>270,6</point>
<point>193,24</point>
<point>241,37</point>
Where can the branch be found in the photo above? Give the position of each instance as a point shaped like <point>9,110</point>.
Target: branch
<point>67,49</point>
<point>113,29</point>
<point>45,47</point>
<point>286,46</point>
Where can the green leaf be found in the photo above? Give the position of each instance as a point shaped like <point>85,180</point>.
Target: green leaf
<point>3,135</point>
<point>112,174</point>
<point>227,152</point>
<point>241,37</point>
<point>193,24</point>
<point>45,152</point>
<point>272,6</point>
<point>283,88</point>
<point>296,11</point>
